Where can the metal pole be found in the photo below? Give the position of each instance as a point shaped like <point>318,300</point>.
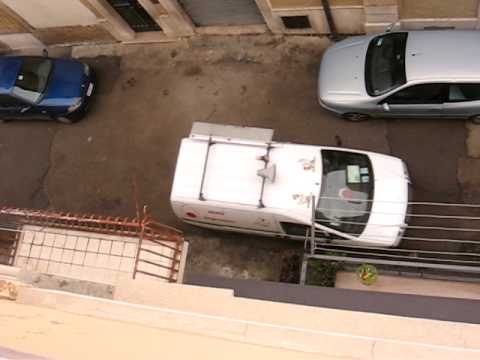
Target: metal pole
<point>303,271</point>
<point>200,195</point>
<point>312,230</point>
<point>331,23</point>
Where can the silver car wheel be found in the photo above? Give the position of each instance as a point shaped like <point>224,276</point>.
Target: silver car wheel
<point>355,117</point>
<point>475,119</point>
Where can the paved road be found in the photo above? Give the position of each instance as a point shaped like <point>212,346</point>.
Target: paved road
<point>147,98</point>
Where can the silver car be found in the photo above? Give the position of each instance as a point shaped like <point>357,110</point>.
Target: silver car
<point>428,74</point>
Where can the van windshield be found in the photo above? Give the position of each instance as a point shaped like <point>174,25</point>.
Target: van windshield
<point>385,63</point>
<point>346,193</point>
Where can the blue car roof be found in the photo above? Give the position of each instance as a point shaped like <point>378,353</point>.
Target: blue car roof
<point>9,68</point>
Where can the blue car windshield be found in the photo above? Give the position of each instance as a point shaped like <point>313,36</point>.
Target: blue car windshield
<point>32,79</point>
<point>385,63</point>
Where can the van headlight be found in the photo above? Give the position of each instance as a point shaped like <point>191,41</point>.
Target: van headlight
<point>401,231</point>
<point>76,104</point>
<point>405,172</point>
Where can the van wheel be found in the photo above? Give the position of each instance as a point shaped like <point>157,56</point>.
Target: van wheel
<point>64,120</point>
<point>475,119</point>
<point>356,117</point>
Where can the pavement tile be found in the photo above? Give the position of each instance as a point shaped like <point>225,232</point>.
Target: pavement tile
<point>130,250</point>
<point>35,251</point>
<point>105,246</point>
<point>78,257</point>
<point>70,242</point>
<point>117,247</point>
<point>67,256</point>
<point>93,245</point>
<point>127,264</point>
<point>45,253</point>
<point>90,259</point>
<point>81,243</point>
<point>56,254</point>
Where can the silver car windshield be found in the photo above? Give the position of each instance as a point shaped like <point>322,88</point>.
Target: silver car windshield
<point>346,194</point>
<point>385,63</point>
<point>32,79</point>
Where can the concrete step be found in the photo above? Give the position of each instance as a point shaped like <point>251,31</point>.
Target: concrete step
<point>344,334</point>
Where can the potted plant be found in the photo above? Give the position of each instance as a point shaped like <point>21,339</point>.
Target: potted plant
<point>367,274</point>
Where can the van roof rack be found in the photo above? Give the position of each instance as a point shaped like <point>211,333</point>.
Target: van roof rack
<point>228,134</point>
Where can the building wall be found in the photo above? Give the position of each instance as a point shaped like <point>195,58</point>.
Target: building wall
<point>51,22</point>
<point>37,23</point>
<point>52,13</point>
<point>417,9</point>
<point>420,14</point>
<point>9,24</point>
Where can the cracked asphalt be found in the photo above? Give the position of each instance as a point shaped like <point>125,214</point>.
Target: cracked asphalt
<point>146,100</point>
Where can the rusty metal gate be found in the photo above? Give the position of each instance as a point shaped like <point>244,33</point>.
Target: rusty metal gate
<point>223,12</point>
<point>135,15</point>
<point>8,246</point>
<point>90,246</point>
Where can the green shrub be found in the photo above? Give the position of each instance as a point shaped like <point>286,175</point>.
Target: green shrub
<point>322,272</point>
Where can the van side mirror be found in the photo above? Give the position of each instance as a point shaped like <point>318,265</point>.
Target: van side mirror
<point>386,107</point>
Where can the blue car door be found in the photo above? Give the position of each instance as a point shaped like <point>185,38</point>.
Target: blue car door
<point>11,108</point>
<point>35,112</point>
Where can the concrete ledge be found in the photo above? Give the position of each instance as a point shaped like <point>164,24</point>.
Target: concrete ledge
<point>382,18</point>
<point>154,293</point>
<point>374,27</point>
<point>149,37</point>
<point>54,282</point>
<point>139,314</point>
<point>367,339</point>
<point>21,41</point>
<point>380,2</point>
<point>231,30</point>
<point>360,303</point>
<point>379,10</point>
<point>404,285</point>
<point>457,23</point>
<point>9,271</point>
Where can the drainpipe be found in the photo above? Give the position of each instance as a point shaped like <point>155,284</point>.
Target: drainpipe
<point>331,24</point>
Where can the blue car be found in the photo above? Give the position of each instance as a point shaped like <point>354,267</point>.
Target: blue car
<point>44,88</point>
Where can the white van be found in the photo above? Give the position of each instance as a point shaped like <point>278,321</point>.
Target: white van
<point>238,179</point>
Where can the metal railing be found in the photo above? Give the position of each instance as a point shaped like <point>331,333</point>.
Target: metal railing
<point>437,241</point>
<point>8,247</point>
<point>163,238</point>
<point>154,239</point>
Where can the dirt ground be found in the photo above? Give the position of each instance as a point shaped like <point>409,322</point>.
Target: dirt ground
<point>147,98</point>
